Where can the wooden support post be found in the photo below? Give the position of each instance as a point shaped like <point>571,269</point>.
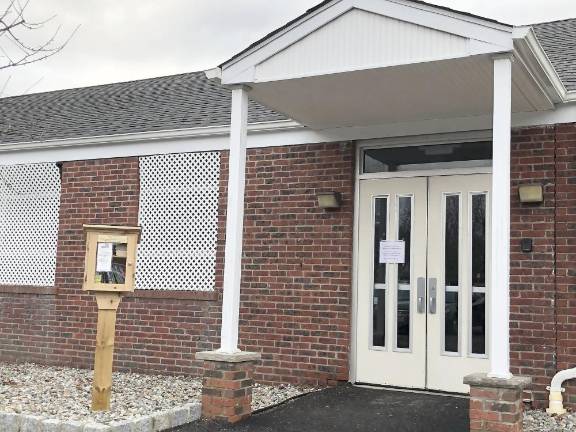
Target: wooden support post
<point>102,386</point>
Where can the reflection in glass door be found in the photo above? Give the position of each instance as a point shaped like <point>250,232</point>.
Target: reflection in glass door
<point>392,331</point>
<point>457,257</point>
<point>422,311</point>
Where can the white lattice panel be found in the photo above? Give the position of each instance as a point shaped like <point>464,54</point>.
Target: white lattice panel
<point>29,205</point>
<point>179,220</point>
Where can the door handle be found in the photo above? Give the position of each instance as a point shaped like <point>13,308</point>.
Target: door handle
<point>421,284</point>
<point>432,291</point>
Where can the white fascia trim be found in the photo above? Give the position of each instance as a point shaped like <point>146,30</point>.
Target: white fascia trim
<point>214,74</point>
<point>529,46</point>
<point>281,134</point>
<point>278,35</point>
<point>408,3</point>
<point>241,69</point>
<point>463,16</point>
<point>141,137</point>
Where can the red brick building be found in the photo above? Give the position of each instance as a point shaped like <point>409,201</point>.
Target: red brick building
<point>379,237</point>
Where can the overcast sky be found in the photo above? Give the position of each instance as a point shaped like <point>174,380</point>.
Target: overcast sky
<point>120,40</point>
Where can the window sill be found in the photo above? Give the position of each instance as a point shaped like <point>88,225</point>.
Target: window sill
<point>160,295</point>
<point>175,295</point>
<point>36,290</point>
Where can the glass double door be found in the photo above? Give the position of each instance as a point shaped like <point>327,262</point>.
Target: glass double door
<point>423,268</point>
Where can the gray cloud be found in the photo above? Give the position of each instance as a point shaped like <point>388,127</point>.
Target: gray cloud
<point>122,40</point>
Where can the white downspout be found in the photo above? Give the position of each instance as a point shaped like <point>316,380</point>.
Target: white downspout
<point>556,391</point>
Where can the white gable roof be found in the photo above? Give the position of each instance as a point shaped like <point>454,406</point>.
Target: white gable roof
<point>361,40</point>
<point>347,35</point>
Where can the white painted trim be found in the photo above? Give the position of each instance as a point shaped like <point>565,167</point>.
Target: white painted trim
<point>533,56</point>
<point>527,45</point>
<point>499,300</point>
<point>261,135</point>
<point>427,173</point>
<point>435,139</point>
<point>353,373</point>
<point>234,221</point>
<point>141,137</point>
<point>214,74</point>
<point>242,68</point>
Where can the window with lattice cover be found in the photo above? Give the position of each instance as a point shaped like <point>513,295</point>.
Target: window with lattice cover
<point>179,220</point>
<point>29,207</point>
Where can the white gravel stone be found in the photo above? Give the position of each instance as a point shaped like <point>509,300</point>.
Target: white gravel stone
<point>65,393</point>
<point>540,421</point>
<point>149,402</point>
<point>265,396</point>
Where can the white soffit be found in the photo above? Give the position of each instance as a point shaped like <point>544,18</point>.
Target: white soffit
<point>424,91</point>
<point>360,40</point>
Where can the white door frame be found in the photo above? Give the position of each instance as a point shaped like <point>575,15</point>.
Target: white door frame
<point>451,138</point>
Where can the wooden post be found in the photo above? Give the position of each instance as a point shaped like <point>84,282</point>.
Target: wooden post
<point>109,271</point>
<point>102,386</point>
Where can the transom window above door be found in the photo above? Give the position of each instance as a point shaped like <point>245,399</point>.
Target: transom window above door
<point>427,157</point>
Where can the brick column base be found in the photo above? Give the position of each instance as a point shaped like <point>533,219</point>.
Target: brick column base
<point>496,404</point>
<point>227,385</point>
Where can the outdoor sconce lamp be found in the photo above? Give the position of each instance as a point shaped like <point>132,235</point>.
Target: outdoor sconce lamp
<point>329,200</point>
<point>530,194</point>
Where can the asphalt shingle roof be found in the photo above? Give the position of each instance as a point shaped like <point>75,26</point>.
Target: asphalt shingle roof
<point>558,39</point>
<point>173,102</point>
<point>182,101</point>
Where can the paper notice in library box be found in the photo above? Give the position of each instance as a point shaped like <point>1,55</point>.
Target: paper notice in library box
<point>104,257</point>
<point>392,252</point>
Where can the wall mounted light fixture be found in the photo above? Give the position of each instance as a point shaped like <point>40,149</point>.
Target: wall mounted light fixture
<point>329,200</point>
<point>530,194</point>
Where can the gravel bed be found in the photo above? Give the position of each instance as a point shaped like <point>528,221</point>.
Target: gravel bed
<point>265,396</point>
<point>64,393</point>
<point>540,421</point>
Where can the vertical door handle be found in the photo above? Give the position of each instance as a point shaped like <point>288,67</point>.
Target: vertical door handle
<point>432,290</point>
<point>421,284</point>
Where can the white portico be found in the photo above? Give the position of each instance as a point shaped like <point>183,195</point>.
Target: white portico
<point>360,64</point>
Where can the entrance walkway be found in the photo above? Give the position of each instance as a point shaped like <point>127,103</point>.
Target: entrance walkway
<point>351,409</point>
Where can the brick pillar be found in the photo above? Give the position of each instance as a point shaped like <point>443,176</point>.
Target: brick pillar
<point>496,404</point>
<point>227,385</point>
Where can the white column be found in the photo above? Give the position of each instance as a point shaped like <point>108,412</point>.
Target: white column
<point>500,290</point>
<point>234,221</point>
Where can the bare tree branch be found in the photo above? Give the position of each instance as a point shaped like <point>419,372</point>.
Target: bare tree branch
<point>21,40</point>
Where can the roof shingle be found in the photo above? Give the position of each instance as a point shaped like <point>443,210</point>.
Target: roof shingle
<point>182,101</point>
<point>174,102</point>
<point>558,38</point>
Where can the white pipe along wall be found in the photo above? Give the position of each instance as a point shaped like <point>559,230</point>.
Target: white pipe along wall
<point>556,390</point>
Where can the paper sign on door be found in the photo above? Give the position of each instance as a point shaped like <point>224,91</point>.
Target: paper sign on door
<point>392,252</point>
<point>104,258</point>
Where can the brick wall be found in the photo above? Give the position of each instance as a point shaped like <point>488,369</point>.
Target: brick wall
<point>532,279</point>
<point>297,270</point>
<point>566,250</point>
<point>153,334</point>
<point>543,283</point>
<point>27,326</point>
<point>156,332</point>
<point>296,289</point>
<point>296,286</point>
